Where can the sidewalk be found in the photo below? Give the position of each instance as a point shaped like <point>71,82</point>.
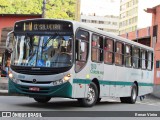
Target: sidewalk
<point>4,93</point>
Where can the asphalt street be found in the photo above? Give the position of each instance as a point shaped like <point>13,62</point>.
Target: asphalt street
<point>23,103</point>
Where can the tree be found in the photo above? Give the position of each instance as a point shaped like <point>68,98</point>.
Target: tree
<point>61,9</point>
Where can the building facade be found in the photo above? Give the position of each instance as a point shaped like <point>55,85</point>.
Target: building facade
<point>155,40</point>
<point>133,15</point>
<point>108,23</point>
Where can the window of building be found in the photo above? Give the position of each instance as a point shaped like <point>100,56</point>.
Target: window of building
<point>97,48</point>
<point>128,56</point>
<point>158,64</point>
<point>83,20</point>
<point>108,51</point>
<point>136,63</point>
<point>88,21</point>
<point>101,22</point>
<point>100,28</point>
<point>119,53</point>
<point>82,38</point>
<point>93,21</point>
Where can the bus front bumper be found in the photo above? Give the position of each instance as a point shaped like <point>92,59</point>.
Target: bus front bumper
<point>63,90</point>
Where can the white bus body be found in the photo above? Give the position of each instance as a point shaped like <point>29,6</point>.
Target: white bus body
<point>102,65</point>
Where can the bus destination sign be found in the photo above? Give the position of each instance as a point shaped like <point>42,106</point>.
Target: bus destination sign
<point>43,26</point>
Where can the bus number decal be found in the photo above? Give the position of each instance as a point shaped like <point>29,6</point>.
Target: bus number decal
<point>94,70</point>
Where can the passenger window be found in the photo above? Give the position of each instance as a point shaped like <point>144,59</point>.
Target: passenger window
<point>82,38</point>
<point>119,54</point>
<point>108,51</point>
<point>143,59</point>
<point>97,48</point>
<point>128,57</point>
<point>136,58</point>
<point>150,61</point>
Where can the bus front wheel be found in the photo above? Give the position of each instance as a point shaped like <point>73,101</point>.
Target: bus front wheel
<point>132,99</point>
<point>91,97</point>
<point>42,100</point>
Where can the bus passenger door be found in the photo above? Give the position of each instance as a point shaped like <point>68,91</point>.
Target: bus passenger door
<point>81,79</point>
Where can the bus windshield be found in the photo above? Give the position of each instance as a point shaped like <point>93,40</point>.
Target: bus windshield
<point>42,51</point>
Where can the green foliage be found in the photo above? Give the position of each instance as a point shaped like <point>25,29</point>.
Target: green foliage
<point>60,9</point>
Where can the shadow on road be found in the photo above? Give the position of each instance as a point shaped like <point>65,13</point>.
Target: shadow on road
<point>62,105</point>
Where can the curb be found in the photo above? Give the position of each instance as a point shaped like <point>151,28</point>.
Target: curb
<point>4,93</point>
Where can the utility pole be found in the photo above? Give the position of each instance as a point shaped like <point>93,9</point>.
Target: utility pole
<point>44,9</point>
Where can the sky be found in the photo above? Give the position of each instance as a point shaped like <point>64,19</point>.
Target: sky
<point>100,7</point>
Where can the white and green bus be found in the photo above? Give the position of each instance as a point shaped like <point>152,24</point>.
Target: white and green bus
<point>61,58</point>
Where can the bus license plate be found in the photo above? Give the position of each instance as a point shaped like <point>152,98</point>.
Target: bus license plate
<point>34,89</point>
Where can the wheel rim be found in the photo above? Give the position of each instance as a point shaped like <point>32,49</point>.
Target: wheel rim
<point>91,95</point>
<point>134,94</point>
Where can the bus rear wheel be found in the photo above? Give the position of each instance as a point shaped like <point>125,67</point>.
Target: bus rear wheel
<point>91,97</point>
<point>42,99</point>
<point>132,99</point>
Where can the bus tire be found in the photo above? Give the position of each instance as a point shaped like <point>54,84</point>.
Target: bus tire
<point>42,99</point>
<point>134,94</point>
<point>91,97</point>
<point>132,99</point>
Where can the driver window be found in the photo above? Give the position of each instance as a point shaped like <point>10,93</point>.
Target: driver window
<point>83,37</point>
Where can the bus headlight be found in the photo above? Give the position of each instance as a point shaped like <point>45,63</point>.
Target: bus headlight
<point>67,77</point>
<point>10,75</point>
<point>61,81</point>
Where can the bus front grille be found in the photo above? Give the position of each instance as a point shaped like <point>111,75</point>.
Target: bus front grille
<point>39,71</point>
<point>38,82</point>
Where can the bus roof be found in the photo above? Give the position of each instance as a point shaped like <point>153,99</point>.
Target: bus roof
<point>84,26</point>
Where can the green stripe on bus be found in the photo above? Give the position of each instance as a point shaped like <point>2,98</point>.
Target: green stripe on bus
<point>102,82</point>
<point>145,84</point>
<point>82,81</point>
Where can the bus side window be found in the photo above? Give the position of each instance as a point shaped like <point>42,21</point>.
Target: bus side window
<point>108,51</point>
<point>83,38</point>
<point>128,56</point>
<point>119,53</point>
<point>143,59</point>
<point>97,48</point>
<point>135,58</point>
<point>150,60</point>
